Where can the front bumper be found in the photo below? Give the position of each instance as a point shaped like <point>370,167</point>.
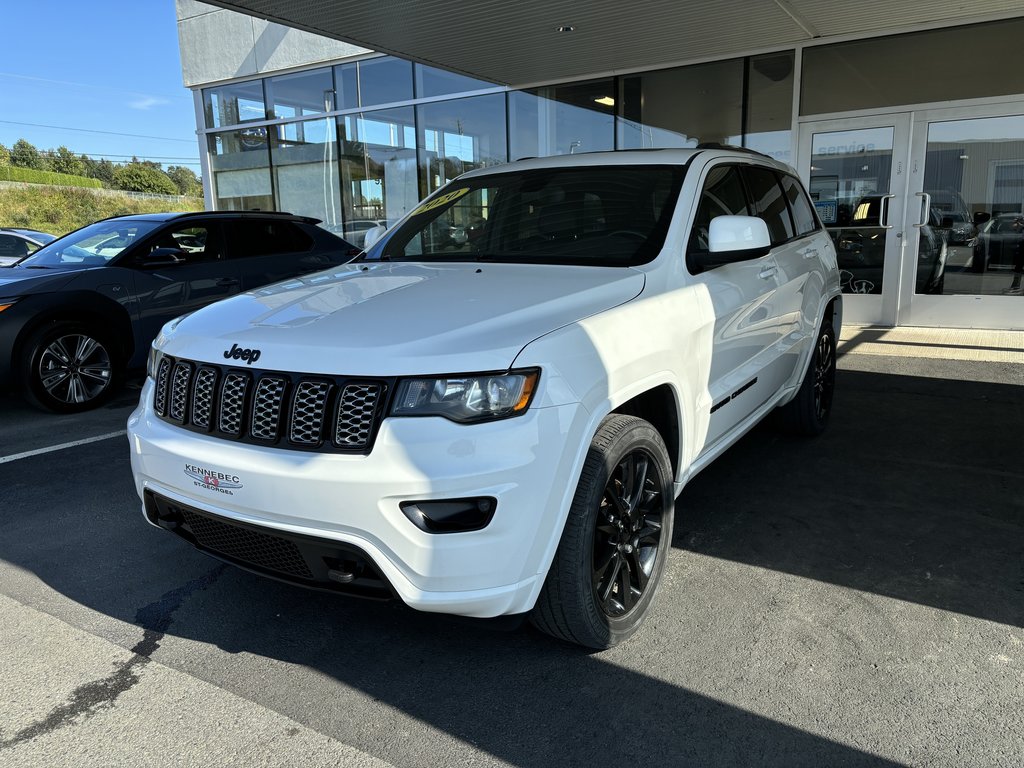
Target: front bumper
<point>529,464</point>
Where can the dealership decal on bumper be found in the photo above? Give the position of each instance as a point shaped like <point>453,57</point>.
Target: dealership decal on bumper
<point>213,480</point>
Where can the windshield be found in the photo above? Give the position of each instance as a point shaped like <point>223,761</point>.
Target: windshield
<point>614,215</point>
<point>91,246</point>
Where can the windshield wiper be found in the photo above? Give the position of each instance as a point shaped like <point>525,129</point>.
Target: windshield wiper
<point>34,266</point>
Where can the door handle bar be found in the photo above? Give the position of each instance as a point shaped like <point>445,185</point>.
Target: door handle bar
<point>883,212</point>
<point>927,208</point>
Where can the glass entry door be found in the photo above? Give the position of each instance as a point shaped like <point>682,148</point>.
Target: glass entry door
<point>967,172</point>
<point>926,210</point>
<point>856,173</point>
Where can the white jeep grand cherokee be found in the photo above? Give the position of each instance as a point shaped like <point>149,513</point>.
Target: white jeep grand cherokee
<point>492,410</point>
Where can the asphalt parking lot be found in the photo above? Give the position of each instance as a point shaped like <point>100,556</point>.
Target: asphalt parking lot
<point>853,600</point>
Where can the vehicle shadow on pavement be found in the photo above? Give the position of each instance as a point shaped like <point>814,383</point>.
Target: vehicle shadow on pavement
<point>914,477</point>
<point>914,492</point>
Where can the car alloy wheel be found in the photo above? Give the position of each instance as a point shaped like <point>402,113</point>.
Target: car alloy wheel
<point>613,549</point>
<point>75,369</point>
<point>627,534</point>
<point>824,375</point>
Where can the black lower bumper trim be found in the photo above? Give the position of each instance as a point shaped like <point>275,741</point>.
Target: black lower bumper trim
<point>308,561</point>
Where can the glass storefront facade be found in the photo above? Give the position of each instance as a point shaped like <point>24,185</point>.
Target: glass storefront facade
<point>923,193</point>
<point>361,142</point>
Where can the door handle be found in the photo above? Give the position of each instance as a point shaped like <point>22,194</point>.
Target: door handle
<point>227,282</point>
<point>766,272</point>
<point>810,253</point>
<point>883,212</point>
<point>927,199</point>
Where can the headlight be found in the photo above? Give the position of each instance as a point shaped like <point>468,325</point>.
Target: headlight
<point>467,397</point>
<point>153,362</point>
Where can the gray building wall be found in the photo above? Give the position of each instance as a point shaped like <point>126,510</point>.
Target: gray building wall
<point>218,44</point>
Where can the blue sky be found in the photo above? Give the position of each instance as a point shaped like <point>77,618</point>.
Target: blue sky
<point>94,69</point>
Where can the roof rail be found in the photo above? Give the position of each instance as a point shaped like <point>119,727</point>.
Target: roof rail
<point>731,148</point>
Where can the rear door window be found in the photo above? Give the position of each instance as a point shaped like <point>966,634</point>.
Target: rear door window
<point>803,214</point>
<point>266,237</point>
<point>769,203</point>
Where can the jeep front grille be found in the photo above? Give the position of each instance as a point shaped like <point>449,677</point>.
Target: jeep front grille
<point>299,411</point>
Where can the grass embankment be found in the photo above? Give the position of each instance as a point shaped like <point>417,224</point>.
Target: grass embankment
<point>59,211</point>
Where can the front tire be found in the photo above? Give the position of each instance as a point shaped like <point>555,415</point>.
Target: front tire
<point>69,367</point>
<point>616,541</point>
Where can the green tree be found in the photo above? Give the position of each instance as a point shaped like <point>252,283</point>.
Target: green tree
<point>138,177</point>
<point>5,156</point>
<point>186,180</point>
<point>25,155</point>
<point>63,160</point>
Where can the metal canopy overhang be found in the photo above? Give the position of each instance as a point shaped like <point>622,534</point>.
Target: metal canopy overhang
<point>518,43</point>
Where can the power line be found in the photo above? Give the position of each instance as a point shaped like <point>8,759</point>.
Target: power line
<point>92,130</point>
<point>102,155</point>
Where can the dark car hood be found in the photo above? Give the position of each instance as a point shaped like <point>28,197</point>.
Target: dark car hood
<point>18,281</point>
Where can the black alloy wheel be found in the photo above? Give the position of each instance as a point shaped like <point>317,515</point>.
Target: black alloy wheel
<point>616,539</point>
<point>627,534</point>
<point>824,375</point>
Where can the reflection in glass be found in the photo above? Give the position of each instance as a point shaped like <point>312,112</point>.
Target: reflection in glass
<point>589,216</point>
<point>303,93</point>
<point>241,170</point>
<point>770,105</point>
<point>966,62</point>
<point>346,88</point>
<point>562,119</point>
<point>682,107</point>
<point>458,136</point>
<point>384,80</point>
<point>234,104</point>
<point>850,173</point>
<point>974,174</point>
<point>431,81</point>
<point>378,169</point>
<point>303,155</point>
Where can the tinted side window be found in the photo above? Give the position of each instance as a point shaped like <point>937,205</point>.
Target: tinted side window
<point>803,214</point>
<point>199,243</point>
<point>255,237</point>
<point>723,195</point>
<point>12,247</point>
<point>769,203</point>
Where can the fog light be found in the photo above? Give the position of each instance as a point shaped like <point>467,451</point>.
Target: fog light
<point>450,515</point>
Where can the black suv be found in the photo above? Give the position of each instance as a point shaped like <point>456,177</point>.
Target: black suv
<point>80,311</point>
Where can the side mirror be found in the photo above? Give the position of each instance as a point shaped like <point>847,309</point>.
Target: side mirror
<point>732,239</point>
<point>162,257</point>
<point>373,234</point>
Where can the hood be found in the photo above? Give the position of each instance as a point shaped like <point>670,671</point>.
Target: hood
<point>392,319</point>
<point>18,281</point>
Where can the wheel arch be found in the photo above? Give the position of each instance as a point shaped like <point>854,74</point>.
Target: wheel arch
<point>79,307</point>
<point>659,406</point>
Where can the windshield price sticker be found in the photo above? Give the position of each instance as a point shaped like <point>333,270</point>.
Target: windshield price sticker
<point>444,199</point>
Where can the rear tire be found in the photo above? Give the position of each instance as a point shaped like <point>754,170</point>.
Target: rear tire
<point>807,414</point>
<point>69,367</point>
<point>616,541</point>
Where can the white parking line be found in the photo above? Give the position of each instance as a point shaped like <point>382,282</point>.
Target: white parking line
<point>62,446</point>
